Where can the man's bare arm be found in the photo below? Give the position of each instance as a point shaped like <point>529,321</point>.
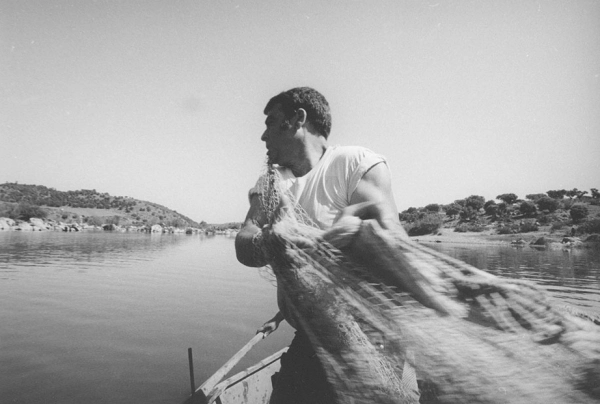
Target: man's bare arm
<point>373,197</point>
<point>245,248</point>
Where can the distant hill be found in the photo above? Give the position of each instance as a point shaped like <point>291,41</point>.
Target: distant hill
<point>90,206</point>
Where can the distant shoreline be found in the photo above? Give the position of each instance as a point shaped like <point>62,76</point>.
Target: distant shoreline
<point>537,239</point>
<point>36,224</point>
<point>550,240</point>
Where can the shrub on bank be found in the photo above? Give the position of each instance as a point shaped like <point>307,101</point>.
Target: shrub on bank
<point>509,199</point>
<point>410,217</point>
<point>508,229</point>
<point>547,203</point>
<point>490,208</point>
<point>24,211</point>
<point>468,213</point>
<point>578,212</point>
<point>527,227</point>
<point>469,227</point>
<point>589,227</point>
<point>475,202</point>
<point>433,207</point>
<point>452,209</point>
<point>429,224</point>
<point>545,219</point>
<point>524,227</point>
<point>535,197</point>
<point>94,221</point>
<point>527,208</point>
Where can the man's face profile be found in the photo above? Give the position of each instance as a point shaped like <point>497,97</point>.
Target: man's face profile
<point>276,135</point>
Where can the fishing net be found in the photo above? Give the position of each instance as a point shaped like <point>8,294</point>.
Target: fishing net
<point>376,301</point>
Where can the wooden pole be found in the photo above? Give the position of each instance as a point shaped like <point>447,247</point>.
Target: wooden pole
<point>191,362</point>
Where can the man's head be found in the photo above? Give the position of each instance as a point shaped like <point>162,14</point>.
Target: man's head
<point>318,114</point>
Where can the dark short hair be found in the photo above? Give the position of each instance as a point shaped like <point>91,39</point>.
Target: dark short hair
<point>309,99</point>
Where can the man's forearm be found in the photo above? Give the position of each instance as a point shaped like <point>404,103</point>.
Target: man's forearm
<point>249,246</point>
<point>278,318</point>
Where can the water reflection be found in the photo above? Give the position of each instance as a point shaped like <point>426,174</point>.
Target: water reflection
<point>572,276</point>
<point>41,249</point>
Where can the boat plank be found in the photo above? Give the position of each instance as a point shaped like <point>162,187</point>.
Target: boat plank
<point>250,386</point>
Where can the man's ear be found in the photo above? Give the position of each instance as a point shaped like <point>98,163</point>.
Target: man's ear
<point>300,118</point>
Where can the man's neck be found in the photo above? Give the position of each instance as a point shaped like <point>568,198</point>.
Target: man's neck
<point>310,156</point>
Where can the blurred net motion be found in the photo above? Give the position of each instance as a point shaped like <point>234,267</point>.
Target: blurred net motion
<point>378,301</point>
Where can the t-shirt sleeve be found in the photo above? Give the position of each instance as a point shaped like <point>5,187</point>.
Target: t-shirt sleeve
<point>361,161</point>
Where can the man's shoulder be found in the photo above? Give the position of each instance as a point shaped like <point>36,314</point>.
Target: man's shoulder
<point>338,149</point>
<point>351,153</point>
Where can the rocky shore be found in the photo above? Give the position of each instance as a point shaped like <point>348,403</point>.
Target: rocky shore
<point>538,239</point>
<point>36,224</point>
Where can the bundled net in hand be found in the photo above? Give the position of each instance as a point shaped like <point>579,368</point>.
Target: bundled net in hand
<point>382,300</point>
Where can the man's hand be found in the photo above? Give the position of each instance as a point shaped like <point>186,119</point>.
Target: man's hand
<point>342,233</point>
<point>348,222</point>
<point>271,325</point>
<point>369,210</point>
<point>268,327</point>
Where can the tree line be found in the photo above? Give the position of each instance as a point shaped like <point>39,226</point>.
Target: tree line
<point>428,219</point>
<point>43,196</point>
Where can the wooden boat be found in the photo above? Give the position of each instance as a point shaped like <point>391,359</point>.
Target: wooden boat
<point>250,386</point>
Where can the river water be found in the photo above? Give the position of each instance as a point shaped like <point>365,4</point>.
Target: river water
<point>107,317</point>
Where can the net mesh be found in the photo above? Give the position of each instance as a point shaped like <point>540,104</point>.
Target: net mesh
<point>381,301</point>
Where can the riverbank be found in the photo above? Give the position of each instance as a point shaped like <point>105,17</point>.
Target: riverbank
<point>537,239</point>
<point>36,224</point>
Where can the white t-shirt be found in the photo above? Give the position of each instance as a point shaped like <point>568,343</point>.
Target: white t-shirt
<point>327,189</point>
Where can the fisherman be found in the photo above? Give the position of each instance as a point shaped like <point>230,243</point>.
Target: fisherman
<point>328,182</point>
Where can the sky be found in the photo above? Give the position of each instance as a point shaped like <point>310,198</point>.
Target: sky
<point>162,100</point>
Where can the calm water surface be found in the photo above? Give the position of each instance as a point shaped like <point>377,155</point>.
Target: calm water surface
<point>571,276</point>
<point>108,317</point>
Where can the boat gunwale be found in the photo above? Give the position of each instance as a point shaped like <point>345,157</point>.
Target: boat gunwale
<point>202,397</point>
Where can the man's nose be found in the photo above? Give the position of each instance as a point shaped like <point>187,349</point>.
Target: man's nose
<point>264,136</point>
